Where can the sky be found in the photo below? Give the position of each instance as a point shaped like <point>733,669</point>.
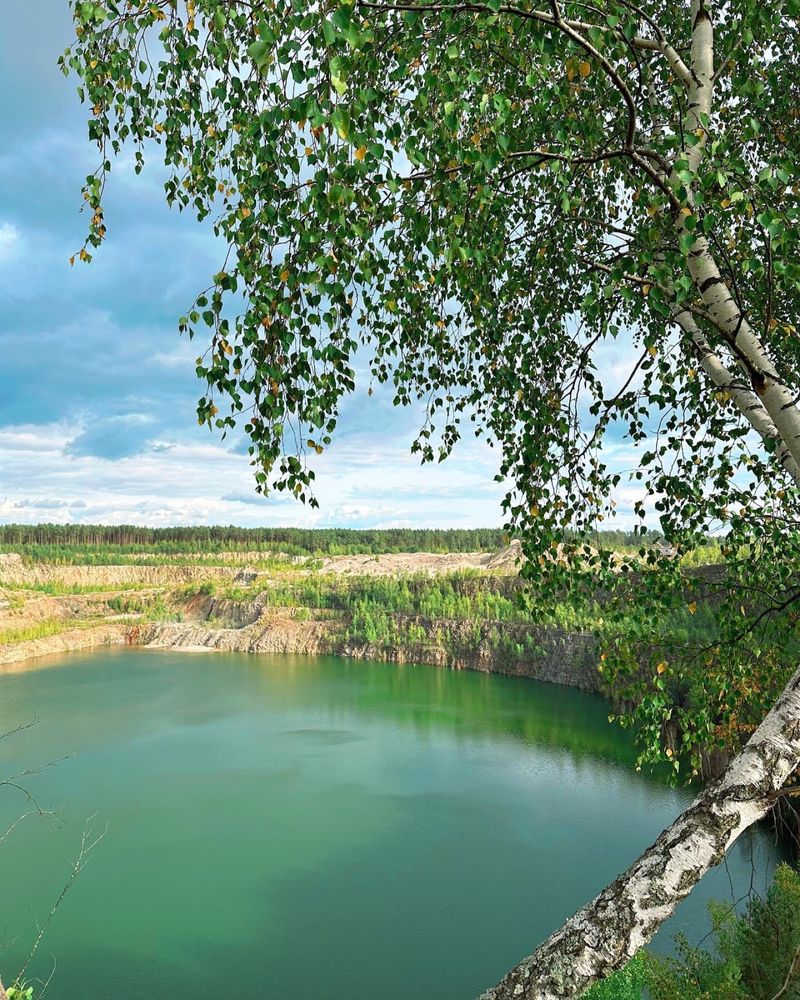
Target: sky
<point>97,387</point>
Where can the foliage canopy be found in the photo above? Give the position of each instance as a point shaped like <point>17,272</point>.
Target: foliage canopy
<point>568,226</point>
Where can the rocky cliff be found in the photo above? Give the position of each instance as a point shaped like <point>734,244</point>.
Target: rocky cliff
<point>545,654</point>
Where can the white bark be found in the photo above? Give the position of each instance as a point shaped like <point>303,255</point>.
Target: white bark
<point>605,933</point>
<point>745,400</point>
<point>701,86</point>
<point>723,310</point>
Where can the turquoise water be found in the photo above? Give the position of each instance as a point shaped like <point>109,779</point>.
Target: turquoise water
<point>288,827</point>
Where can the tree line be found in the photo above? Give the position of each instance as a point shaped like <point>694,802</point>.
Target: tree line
<point>294,541</point>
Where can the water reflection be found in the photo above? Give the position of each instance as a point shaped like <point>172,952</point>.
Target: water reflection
<point>319,828</point>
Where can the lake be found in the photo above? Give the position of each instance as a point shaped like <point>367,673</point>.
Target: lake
<point>314,828</point>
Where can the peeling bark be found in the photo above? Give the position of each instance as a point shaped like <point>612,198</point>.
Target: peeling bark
<point>603,935</point>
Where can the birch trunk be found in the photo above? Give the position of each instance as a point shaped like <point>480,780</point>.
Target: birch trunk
<point>744,399</point>
<point>775,395</point>
<point>603,935</point>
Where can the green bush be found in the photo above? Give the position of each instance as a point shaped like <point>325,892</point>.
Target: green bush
<point>627,984</point>
<point>753,956</point>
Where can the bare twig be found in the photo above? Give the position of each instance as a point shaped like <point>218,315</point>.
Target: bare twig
<point>88,843</point>
<point>18,729</point>
<point>793,969</point>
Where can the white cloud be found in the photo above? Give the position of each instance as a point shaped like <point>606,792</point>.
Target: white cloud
<point>45,477</point>
<point>10,240</point>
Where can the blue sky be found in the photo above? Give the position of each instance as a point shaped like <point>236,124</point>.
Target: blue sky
<point>97,388</point>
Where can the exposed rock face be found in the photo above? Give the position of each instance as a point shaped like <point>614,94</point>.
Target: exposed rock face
<point>556,656</point>
<point>78,638</point>
<point>545,654</point>
<point>13,570</point>
<point>274,632</point>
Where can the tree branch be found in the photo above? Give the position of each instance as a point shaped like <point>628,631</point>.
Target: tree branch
<point>659,44</point>
<point>603,935</point>
<point>793,969</point>
<point>744,399</point>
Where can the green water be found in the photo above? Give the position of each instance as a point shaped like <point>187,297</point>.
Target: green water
<point>314,829</point>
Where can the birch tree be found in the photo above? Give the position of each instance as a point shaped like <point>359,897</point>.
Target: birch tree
<point>567,226</point>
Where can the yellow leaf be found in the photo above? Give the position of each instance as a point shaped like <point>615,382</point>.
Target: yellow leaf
<point>361,152</point>
<point>693,607</point>
<point>72,261</point>
<point>661,667</point>
<point>534,511</point>
<point>284,275</point>
<point>652,350</point>
<point>668,751</point>
<point>246,212</point>
<point>585,69</point>
<point>570,72</point>
<point>645,289</point>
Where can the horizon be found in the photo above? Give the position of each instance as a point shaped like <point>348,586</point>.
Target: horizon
<point>97,410</point>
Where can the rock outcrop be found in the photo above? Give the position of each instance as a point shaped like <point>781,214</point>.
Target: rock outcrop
<point>76,638</point>
<point>545,654</point>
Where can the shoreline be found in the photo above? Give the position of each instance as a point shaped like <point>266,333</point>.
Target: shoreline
<point>20,654</point>
<point>561,657</point>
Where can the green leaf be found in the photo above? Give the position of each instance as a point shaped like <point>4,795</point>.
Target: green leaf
<point>328,32</point>
<point>259,52</point>
<point>340,119</point>
<point>338,71</point>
